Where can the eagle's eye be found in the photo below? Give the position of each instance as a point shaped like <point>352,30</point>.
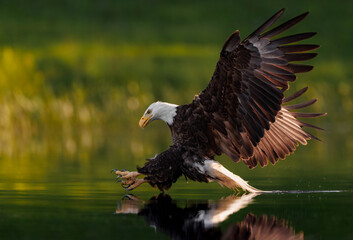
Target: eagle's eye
<point>148,111</point>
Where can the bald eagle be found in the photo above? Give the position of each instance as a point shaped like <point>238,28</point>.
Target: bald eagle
<point>241,113</point>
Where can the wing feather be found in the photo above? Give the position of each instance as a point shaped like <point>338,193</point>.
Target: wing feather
<point>298,48</point>
<point>293,38</point>
<point>245,95</point>
<point>292,57</point>
<point>266,25</point>
<point>284,26</point>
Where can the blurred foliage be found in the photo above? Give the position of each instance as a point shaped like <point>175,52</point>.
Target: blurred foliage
<point>75,76</point>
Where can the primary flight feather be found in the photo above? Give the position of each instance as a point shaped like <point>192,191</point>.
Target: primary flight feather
<point>241,113</point>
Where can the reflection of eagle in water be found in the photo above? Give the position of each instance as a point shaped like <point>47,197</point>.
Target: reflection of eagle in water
<point>240,113</point>
<point>200,220</point>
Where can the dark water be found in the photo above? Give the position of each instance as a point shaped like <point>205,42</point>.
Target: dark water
<point>74,208</point>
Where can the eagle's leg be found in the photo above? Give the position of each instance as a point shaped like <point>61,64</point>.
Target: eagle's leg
<point>130,179</point>
<point>224,177</point>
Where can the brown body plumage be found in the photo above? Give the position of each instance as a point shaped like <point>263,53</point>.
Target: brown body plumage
<point>241,113</point>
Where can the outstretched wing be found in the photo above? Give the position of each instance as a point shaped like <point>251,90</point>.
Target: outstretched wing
<point>243,100</point>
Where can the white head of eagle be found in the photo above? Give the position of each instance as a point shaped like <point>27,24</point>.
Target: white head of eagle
<point>159,111</point>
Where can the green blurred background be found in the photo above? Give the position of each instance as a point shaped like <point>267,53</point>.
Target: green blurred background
<point>75,77</point>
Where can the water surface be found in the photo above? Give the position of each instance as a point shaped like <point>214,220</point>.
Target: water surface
<point>75,207</point>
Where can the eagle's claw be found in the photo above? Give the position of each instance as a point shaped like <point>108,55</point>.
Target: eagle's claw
<point>128,180</point>
<point>118,179</point>
<point>125,186</point>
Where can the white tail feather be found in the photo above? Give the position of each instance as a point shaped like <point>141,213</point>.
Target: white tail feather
<point>225,177</point>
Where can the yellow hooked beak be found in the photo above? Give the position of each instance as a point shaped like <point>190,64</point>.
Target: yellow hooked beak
<point>145,120</point>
